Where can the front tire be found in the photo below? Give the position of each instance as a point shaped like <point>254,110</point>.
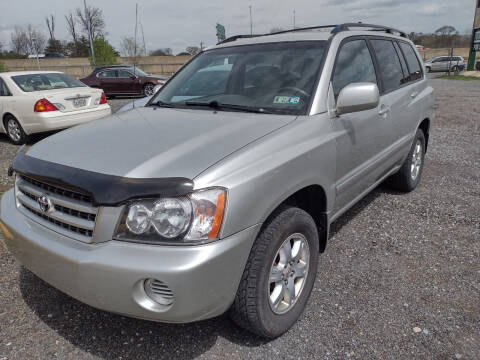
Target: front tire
<point>14,130</point>
<point>279,275</point>
<point>409,175</point>
<point>148,89</point>
<point>428,69</point>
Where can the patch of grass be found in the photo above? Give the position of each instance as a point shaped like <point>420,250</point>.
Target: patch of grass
<point>459,77</point>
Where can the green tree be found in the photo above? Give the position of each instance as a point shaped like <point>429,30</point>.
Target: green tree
<point>54,46</point>
<point>104,52</point>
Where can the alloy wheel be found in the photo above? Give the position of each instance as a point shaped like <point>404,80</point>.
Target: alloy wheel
<point>416,160</point>
<point>288,273</point>
<point>14,131</point>
<point>149,89</point>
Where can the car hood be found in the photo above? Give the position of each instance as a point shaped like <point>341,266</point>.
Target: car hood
<point>156,142</point>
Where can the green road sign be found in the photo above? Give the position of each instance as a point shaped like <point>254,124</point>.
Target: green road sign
<point>220,32</point>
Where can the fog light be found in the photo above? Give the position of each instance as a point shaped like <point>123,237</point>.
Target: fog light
<point>159,292</point>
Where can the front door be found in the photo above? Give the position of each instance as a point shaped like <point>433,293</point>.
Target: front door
<point>361,136</point>
<point>127,82</point>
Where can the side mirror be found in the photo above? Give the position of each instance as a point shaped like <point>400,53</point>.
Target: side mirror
<point>133,77</point>
<point>357,97</point>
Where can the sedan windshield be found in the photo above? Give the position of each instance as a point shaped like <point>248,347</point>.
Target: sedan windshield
<point>270,78</point>
<point>40,82</point>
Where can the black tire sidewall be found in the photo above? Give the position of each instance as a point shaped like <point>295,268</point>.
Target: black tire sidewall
<point>298,222</point>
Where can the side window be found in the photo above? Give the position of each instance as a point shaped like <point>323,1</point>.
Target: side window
<point>406,76</point>
<point>3,89</point>
<point>412,61</point>
<point>124,74</point>
<point>107,74</point>
<point>389,64</point>
<point>353,64</point>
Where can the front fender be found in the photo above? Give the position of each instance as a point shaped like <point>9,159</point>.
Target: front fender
<point>263,174</point>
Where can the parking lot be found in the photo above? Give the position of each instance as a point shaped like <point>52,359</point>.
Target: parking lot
<point>400,277</point>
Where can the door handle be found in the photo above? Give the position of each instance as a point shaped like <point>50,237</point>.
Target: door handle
<point>383,110</point>
<point>414,94</point>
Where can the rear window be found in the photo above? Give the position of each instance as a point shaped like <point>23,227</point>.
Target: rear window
<point>41,82</point>
<point>412,61</point>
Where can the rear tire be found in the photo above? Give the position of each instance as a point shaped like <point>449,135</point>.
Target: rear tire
<point>273,293</point>
<point>428,69</point>
<point>14,130</point>
<point>409,175</point>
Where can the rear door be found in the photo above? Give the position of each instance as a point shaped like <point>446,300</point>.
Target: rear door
<point>396,91</point>
<point>408,98</point>
<point>108,80</point>
<point>5,95</point>
<point>361,136</point>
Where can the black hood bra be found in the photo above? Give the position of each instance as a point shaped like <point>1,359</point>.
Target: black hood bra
<point>106,190</point>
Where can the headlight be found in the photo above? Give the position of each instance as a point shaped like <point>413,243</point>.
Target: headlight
<point>196,218</point>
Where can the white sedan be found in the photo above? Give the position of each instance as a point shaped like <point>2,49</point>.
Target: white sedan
<point>39,101</point>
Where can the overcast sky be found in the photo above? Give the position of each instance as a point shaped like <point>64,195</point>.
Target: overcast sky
<point>181,23</point>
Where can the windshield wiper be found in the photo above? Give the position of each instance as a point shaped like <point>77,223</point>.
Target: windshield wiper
<point>161,103</point>
<point>216,105</point>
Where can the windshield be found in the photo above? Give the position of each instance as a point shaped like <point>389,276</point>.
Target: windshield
<point>40,82</point>
<point>273,77</point>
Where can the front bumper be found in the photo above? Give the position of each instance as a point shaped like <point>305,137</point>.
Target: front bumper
<point>203,279</point>
<point>55,120</point>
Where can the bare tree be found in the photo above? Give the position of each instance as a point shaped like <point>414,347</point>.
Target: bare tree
<point>446,31</point>
<point>127,47</point>
<point>192,50</point>
<point>71,26</point>
<point>50,20</point>
<point>92,21</point>
<point>19,41</point>
<point>36,41</point>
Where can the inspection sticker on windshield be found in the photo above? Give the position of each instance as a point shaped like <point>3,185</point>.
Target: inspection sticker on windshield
<point>293,100</point>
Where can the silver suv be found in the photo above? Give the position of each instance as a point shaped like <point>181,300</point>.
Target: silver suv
<point>218,195</point>
<point>443,63</point>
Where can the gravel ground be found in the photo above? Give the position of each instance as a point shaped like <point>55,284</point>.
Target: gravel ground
<point>400,278</point>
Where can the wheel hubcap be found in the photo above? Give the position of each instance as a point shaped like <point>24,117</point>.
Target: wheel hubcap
<point>288,273</point>
<point>416,160</point>
<point>14,130</point>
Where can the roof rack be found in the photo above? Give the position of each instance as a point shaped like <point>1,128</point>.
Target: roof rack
<point>335,30</point>
<point>370,27</point>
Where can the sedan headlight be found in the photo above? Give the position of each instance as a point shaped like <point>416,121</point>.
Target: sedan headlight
<point>196,218</point>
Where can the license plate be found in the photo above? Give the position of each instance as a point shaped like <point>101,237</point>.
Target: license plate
<point>79,102</point>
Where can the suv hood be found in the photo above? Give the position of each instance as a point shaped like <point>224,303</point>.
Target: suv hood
<point>156,142</point>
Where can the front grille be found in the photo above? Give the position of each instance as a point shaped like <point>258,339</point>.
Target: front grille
<point>68,227</point>
<point>57,190</point>
<point>68,212</point>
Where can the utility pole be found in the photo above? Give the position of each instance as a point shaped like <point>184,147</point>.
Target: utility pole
<point>251,22</point>
<point>34,43</point>
<point>293,19</point>
<point>89,32</point>
<point>201,45</point>
<point>135,39</point>
<point>144,46</point>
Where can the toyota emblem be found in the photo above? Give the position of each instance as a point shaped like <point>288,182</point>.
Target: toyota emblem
<point>44,203</point>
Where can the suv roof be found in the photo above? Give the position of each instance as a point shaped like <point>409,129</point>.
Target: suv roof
<point>323,32</point>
